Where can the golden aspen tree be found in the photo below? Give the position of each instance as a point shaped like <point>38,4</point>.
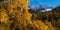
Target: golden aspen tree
<point>15,16</point>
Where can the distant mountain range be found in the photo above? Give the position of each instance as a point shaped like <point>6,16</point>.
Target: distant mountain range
<point>41,8</point>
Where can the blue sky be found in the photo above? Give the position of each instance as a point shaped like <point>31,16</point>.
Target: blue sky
<point>52,3</point>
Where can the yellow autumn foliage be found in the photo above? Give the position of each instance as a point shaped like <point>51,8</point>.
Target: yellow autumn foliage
<point>16,15</point>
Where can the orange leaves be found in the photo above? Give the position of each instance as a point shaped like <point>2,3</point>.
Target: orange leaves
<point>4,17</point>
